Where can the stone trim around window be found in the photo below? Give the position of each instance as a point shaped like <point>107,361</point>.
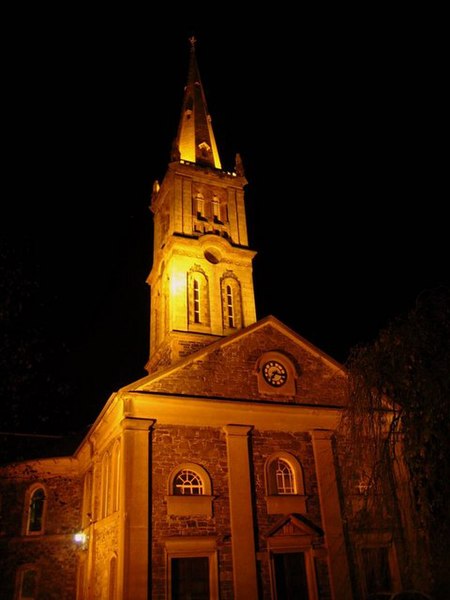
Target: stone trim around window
<point>283,504</point>
<point>184,505</point>
<point>27,581</point>
<point>192,547</point>
<point>30,528</point>
<point>377,540</point>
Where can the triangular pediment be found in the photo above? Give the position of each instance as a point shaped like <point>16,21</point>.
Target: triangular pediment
<point>231,368</point>
<point>297,525</point>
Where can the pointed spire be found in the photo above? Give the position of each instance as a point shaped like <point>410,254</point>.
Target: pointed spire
<point>195,140</point>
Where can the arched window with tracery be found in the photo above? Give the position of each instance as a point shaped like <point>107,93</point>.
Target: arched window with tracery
<point>284,477</point>
<point>188,483</point>
<point>285,489</point>
<point>189,490</point>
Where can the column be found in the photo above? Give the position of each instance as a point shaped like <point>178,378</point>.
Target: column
<point>134,509</point>
<point>241,512</point>
<point>331,515</point>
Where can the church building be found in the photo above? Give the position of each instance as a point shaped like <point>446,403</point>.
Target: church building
<point>217,475</point>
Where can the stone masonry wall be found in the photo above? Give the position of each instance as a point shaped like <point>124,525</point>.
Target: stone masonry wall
<point>209,375</point>
<point>54,553</point>
<point>263,445</point>
<point>173,445</point>
<point>106,546</point>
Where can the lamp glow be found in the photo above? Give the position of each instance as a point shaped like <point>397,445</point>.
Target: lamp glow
<point>79,538</point>
<point>177,284</point>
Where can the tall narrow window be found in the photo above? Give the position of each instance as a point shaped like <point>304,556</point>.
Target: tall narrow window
<point>106,475</point>
<point>230,306</point>
<point>230,290</point>
<point>116,477</point>
<point>200,202</point>
<point>187,483</point>
<point>196,301</point>
<point>284,478</point>
<point>81,594</point>
<point>112,578</point>
<point>86,517</point>
<point>216,208</point>
<point>36,511</point>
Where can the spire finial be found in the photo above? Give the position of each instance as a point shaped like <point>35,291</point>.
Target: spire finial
<point>193,41</point>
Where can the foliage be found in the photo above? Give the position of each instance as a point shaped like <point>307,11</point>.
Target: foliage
<point>399,409</point>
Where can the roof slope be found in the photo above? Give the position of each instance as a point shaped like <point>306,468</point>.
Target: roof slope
<point>230,368</point>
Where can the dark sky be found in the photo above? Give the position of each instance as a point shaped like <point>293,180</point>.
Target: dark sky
<point>340,128</point>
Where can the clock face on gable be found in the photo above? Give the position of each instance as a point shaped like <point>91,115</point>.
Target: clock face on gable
<point>274,373</point>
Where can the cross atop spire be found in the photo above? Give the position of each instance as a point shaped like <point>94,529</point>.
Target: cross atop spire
<point>195,141</point>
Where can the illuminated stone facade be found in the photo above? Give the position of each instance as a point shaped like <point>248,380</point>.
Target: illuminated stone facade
<point>215,476</point>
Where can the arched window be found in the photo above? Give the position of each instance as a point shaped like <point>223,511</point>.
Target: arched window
<point>112,578</point>
<point>189,490</point>
<point>36,507</point>
<point>199,204</point>
<point>196,301</point>
<point>86,517</point>
<point>230,310</point>
<point>215,207</point>
<point>285,490</point>
<point>115,491</point>
<point>187,483</point>
<point>283,475</point>
<point>106,475</point>
<point>111,479</point>
<point>231,301</point>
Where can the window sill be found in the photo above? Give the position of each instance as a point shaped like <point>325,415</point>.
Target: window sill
<point>189,505</point>
<point>286,504</point>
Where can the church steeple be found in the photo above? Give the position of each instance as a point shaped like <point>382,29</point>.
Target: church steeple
<point>201,279</point>
<point>195,141</point>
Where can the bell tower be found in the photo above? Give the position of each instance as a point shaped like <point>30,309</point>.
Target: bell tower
<point>201,280</point>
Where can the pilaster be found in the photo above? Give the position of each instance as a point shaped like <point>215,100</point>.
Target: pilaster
<point>241,512</point>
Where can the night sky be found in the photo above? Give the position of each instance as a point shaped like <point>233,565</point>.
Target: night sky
<point>340,131</point>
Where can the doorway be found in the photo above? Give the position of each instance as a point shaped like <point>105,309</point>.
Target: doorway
<point>290,576</point>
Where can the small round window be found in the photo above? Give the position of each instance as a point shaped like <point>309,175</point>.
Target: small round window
<point>212,256</point>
